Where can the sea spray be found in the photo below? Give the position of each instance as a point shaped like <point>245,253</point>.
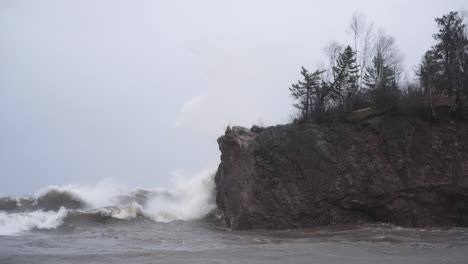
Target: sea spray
<point>104,193</point>
<point>189,198</point>
<point>15,223</point>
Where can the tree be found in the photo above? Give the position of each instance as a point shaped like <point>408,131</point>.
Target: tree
<point>346,77</point>
<point>305,90</point>
<point>380,81</point>
<point>386,47</point>
<point>452,47</point>
<point>431,78</point>
<point>357,27</point>
<point>332,51</point>
<point>443,71</point>
<point>362,33</point>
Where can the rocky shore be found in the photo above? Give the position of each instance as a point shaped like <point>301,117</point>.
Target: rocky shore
<point>388,168</point>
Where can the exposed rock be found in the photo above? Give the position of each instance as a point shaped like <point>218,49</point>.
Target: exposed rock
<point>240,131</point>
<point>256,129</point>
<point>397,170</point>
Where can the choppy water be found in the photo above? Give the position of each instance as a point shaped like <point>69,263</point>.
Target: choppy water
<point>107,224</point>
<point>145,241</point>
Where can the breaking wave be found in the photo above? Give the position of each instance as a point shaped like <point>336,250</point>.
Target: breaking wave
<point>11,224</point>
<point>189,199</point>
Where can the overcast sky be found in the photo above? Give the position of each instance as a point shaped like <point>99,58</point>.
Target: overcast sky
<point>138,91</point>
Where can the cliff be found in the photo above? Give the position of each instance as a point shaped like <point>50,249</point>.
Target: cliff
<point>393,169</point>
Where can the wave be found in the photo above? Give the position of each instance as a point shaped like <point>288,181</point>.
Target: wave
<point>14,223</point>
<point>12,203</point>
<point>189,199</point>
<point>8,203</point>
<point>55,199</point>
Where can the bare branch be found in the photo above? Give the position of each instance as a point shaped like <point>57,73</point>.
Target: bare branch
<point>332,51</point>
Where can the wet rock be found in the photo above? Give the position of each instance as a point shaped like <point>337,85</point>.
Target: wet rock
<point>409,173</point>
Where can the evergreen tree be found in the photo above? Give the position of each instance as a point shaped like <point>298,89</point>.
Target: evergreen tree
<point>307,91</point>
<point>431,73</point>
<point>346,73</point>
<point>443,71</point>
<point>380,81</point>
<point>452,48</point>
<point>431,78</point>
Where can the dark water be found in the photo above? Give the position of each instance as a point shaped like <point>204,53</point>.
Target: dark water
<point>144,241</point>
<point>111,225</point>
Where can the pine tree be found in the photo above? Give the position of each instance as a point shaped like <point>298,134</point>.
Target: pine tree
<point>431,73</point>
<point>307,91</point>
<point>444,68</point>
<point>346,74</point>
<point>379,79</point>
<point>432,79</point>
<point>451,46</point>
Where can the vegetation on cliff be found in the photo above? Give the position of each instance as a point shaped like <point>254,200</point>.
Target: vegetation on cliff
<point>371,74</point>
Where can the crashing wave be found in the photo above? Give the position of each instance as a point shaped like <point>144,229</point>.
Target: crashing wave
<point>106,213</point>
<point>52,206</point>
<point>14,223</point>
<point>8,203</point>
<point>55,199</point>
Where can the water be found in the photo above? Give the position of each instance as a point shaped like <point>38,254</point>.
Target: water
<point>109,224</point>
<point>144,241</point>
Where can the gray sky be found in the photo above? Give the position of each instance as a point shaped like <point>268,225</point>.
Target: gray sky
<point>138,91</point>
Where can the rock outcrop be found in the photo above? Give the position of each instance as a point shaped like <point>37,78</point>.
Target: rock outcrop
<point>399,170</point>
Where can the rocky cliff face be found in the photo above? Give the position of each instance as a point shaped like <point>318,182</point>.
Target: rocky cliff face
<point>398,170</point>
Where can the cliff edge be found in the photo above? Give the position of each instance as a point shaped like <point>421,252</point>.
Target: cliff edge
<point>393,169</point>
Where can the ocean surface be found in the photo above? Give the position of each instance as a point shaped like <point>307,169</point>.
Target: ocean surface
<point>110,224</point>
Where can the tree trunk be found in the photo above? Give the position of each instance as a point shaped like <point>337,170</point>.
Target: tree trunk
<point>307,104</point>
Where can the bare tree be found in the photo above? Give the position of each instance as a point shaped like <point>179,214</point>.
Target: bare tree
<point>357,28</point>
<point>365,54</point>
<point>386,46</point>
<point>332,51</point>
<point>362,33</point>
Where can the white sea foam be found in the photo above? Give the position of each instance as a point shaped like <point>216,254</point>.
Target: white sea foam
<point>189,198</point>
<point>104,193</point>
<point>15,223</point>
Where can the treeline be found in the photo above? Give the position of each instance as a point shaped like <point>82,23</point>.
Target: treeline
<point>369,73</point>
